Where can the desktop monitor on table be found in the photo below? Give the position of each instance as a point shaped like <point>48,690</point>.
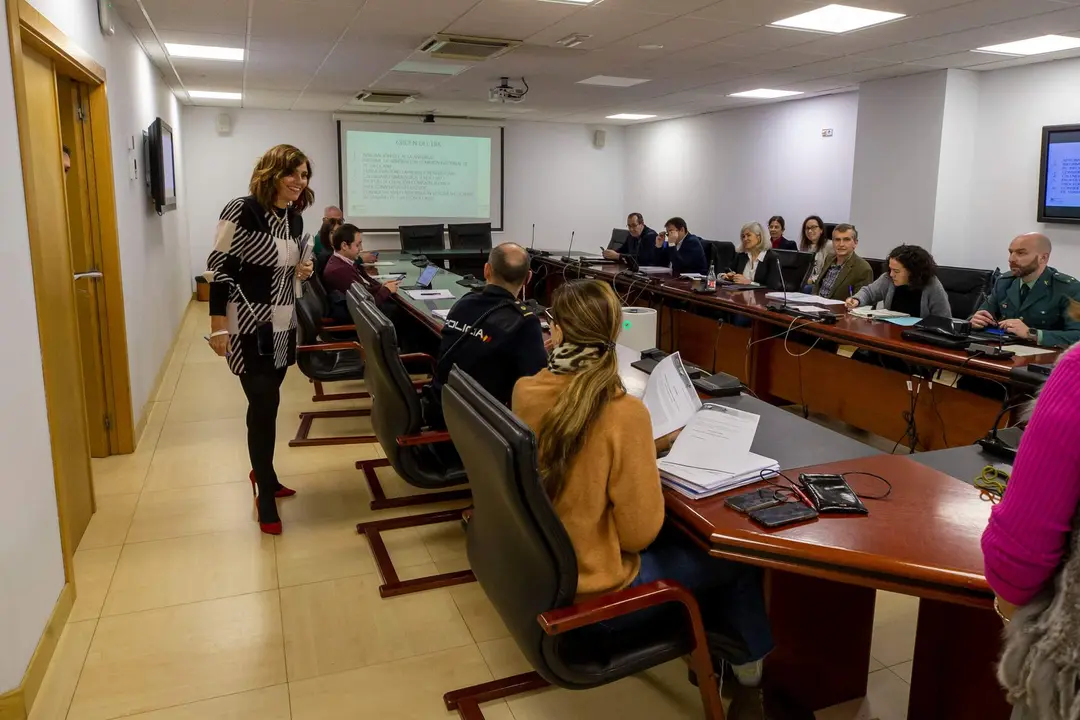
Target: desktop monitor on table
<point>418,238</point>
<point>473,236</point>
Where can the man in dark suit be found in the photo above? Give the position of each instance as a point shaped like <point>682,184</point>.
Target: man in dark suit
<point>677,247</point>
<point>641,244</point>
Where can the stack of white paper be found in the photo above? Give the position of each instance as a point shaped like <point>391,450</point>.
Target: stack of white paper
<point>798,297</point>
<point>670,396</point>
<point>871,314</point>
<point>699,483</point>
<point>712,454</point>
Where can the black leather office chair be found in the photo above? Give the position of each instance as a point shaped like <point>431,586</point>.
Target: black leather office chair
<point>525,563</point>
<point>877,265</point>
<point>416,239</point>
<point>795,268</point>
<point>721,255</point>
<point>424,459</point>
<point>325,362</point>
<point>967,288</point>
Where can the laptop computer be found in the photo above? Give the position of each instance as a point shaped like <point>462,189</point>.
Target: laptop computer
<point>424,281</point>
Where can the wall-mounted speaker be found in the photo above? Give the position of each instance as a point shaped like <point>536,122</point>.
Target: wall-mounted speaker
<point>600,139</point>
<point>224,124</point>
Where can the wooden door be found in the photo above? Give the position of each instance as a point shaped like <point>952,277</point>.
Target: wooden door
<point>54,291</point>
<point>87,263</point>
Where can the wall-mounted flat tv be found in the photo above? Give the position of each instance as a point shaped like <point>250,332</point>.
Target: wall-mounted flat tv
<point>1059,179</point>
<point>161,166</point>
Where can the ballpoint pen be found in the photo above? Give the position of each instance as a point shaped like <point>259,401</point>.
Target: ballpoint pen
<point>851,290</point>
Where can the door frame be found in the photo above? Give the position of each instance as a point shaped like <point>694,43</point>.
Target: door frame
<point>27,25</point>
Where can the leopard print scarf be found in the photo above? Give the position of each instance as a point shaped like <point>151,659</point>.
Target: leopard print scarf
<point>570,358</point>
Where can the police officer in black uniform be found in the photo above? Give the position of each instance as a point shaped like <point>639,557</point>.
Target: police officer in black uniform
<point>1032,301</point>
<point>491,335</point>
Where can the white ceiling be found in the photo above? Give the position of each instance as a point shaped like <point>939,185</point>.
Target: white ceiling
<point>319,54</point>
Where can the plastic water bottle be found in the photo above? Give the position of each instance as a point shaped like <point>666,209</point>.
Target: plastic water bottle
<point>711,281</point>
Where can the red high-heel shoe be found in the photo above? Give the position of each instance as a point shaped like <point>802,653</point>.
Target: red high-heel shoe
<point>282,492</point>
<point>271,528</point>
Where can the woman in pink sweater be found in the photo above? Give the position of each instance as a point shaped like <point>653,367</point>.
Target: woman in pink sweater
<point>1027,537</point>
<point>1032,556</point>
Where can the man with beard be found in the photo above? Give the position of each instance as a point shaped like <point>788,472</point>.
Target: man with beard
<point>1032,300</point>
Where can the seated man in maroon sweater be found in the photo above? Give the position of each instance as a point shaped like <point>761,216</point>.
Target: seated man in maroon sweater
<point>341,272</point>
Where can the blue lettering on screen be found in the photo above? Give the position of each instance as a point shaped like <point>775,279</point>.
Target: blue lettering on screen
<point>1063,175</point>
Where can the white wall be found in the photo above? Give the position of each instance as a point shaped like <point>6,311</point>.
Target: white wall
<point>154,249</point>
<point>956,168</point>
<point>557,179</point>
<point>31,564</point>
<point>1014,105</point>
<point>724,169</point>
<point>897,158</point>
<point>553,176</point>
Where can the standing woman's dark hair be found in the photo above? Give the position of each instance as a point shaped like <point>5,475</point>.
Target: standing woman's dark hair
<point>589,316</point>
<point>918,262</point>
<point>260,257</point>
<point>808,244</point>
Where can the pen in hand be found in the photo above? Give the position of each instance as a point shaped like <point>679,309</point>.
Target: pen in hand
<point>851,291</point>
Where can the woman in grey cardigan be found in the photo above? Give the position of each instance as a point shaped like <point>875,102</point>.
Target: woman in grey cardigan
<point>911,285</point>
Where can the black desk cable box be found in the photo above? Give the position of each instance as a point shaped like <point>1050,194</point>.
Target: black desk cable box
<point>1002,444</point>
<point>1040,368</point>
<point>719,385</point>
<point>936,339</point>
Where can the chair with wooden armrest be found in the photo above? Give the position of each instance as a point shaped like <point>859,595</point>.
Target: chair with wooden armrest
<point>422,458</point>
<point>525,562</point>
<point>324,362</point>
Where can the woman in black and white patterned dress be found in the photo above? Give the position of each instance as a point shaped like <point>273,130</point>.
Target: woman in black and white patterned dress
<point>260,258</point>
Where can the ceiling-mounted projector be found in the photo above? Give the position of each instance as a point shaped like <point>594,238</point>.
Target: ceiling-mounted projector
<point>504,92</point>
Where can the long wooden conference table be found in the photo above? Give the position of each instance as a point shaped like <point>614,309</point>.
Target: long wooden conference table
<point>785,368</point>
<point>922,541</point>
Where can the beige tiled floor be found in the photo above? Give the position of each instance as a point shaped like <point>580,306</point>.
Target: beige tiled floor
<point>186,612</point>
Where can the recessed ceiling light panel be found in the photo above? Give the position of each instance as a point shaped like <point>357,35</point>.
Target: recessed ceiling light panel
<point>837,19</point>
<point>611,81</point>
<point>629,116</point>
<point>213,95</point>
<point>1034,46</point>
<point>765,94</point>
<point>205,52</point>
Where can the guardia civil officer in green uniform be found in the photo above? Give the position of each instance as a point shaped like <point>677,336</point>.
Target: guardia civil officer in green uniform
<point>1032,300</point>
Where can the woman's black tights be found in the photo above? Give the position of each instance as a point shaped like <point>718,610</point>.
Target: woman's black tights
<point>263,390</point>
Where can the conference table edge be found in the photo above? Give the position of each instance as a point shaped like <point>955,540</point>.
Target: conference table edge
<point>975,367</point>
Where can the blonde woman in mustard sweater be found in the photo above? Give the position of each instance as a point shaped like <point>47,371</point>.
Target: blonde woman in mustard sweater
<point>598,462</point>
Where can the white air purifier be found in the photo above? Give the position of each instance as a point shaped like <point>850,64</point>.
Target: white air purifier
<point>638,328</point>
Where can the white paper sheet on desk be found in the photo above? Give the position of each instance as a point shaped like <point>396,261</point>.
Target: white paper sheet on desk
<point>380,264</point>
<point>670,396</point>
<point>716,438</point>
<point>654,270</point>
<point>388,278</point>
<point>430,294</point>
<point>798,297</point>
<point>1026,350</point>
<point>871,313</point>
<point>810,309</point>
<point>441,314</point>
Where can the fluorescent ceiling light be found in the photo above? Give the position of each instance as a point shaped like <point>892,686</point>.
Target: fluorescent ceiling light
<point>629,116</point>
<point>1034,46</point>
<point>205,52</point>
<point>837,19</point>
<point>213,95</point>
<point>429,68</point>
<point>765,94</point>
<point>610,81</point>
